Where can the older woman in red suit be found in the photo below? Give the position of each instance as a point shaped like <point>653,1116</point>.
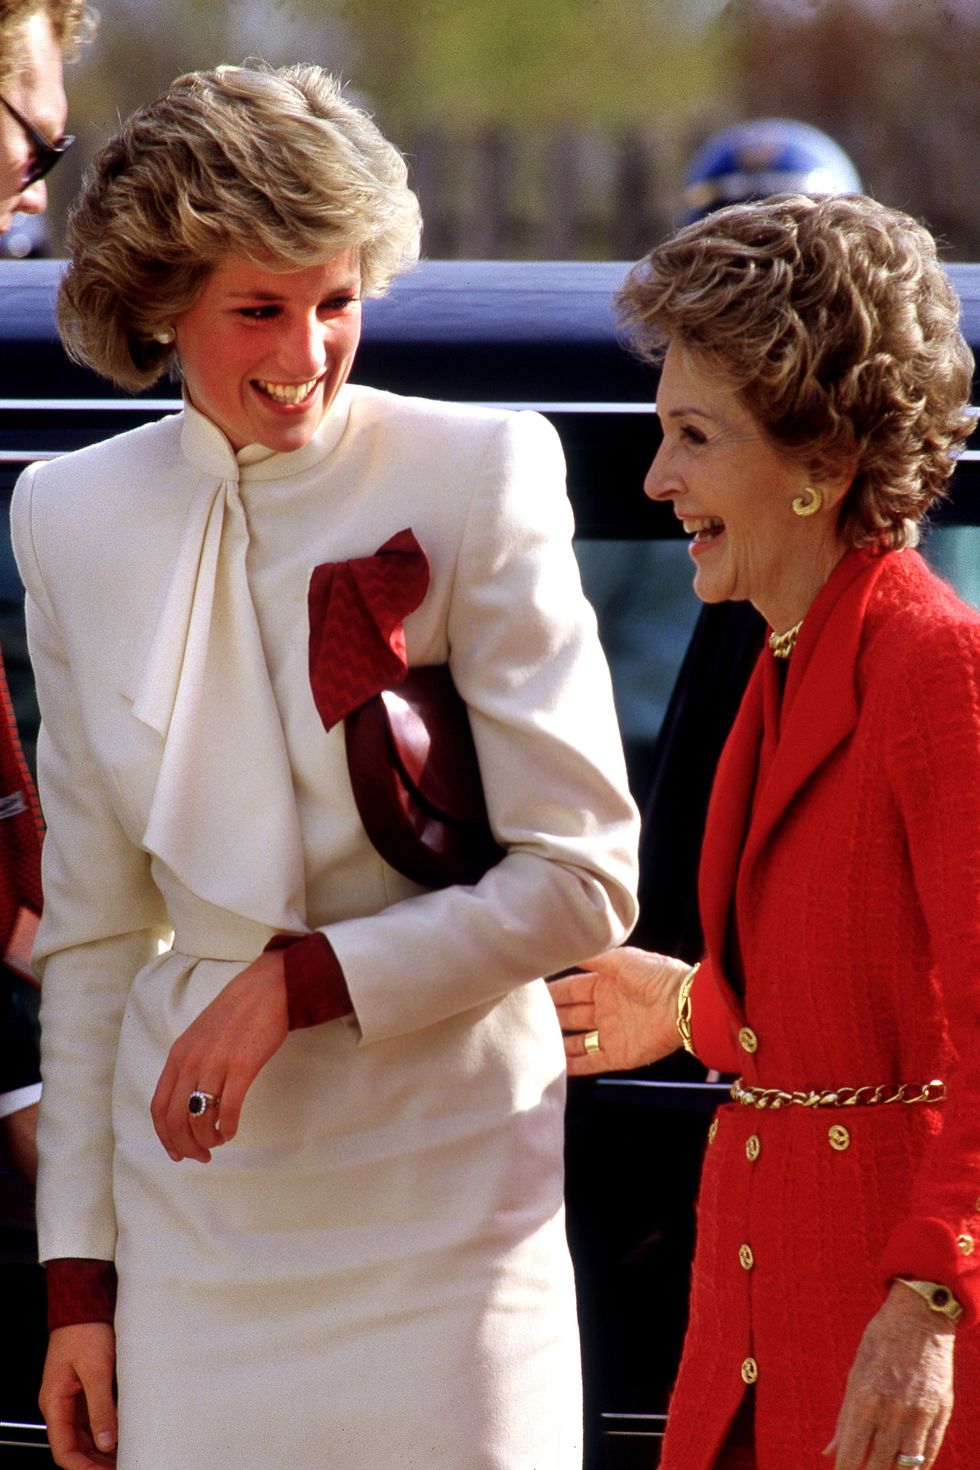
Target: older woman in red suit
<point>812,400</point>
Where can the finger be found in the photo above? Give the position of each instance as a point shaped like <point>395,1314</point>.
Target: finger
<point>852,1437</point>
<point>581,1061</point>
<point>160,1107</point>
<point>102,1420</point>
<point>572,989</point>
<point>227,1118</point>
<point>71,1441</point>
<point>182,1135</point>
<point>203,1130</point>
<point>577,1017</point>
<point>933,1441</point>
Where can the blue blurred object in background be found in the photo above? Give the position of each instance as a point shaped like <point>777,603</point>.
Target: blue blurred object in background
<point>767,155</point>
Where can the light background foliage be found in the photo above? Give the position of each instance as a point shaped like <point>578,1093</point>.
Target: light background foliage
<point>562,127</point>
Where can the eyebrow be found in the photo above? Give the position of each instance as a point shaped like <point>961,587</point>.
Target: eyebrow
<point>346,288</point>
<point>683,410</point>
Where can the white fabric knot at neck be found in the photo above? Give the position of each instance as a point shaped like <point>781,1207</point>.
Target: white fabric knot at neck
<point>223,814</point>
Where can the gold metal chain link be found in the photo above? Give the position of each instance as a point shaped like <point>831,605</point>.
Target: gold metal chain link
<point>839,1097</point>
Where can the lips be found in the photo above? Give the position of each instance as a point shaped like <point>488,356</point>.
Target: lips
<point>289,394</point>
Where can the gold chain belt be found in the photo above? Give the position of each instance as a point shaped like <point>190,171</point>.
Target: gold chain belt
<point>839,1097</point>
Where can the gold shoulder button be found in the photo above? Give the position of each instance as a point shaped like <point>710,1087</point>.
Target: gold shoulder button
<point>966,1244</point>
<point>839,1137</point>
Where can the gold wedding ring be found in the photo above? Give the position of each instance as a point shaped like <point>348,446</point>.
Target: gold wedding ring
<point>591,1043</point>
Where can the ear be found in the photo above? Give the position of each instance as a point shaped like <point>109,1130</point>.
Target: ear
<point>834,480</point>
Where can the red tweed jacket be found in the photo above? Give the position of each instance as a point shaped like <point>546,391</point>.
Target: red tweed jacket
<point>843,838</point>
<point>20,867</point>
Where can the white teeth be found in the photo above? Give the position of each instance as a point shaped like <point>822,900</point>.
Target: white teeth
<point>287,392</point>
<point>702,523</point>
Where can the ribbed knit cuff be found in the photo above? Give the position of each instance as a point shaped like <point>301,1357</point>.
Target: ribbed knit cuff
<point>80,1290</point>
<point>316,990</point>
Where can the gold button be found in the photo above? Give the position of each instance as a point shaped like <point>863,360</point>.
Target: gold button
<point>750,1370</point>
<point>753,1148</point>
<point>748,1040</point>
<point>966,1244</point>
<point>712,1130</point>
<point>746,1258</point>
<point>839,1137</point>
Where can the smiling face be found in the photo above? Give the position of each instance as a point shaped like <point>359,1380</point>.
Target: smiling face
<point>37,91</point>
<point>265,352</point>
<point>733,488</point>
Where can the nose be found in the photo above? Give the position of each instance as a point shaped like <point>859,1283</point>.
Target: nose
<point>660,482</point>
<point>303,349</point>
<point>34,199</point>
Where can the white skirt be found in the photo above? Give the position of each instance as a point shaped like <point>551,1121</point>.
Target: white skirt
<point>373,1275</point>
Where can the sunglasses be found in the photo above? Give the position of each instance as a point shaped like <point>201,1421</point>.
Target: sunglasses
<point>45,154</point>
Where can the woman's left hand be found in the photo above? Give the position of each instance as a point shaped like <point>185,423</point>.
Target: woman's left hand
<point>899,1392</point>
<point>221,1053</point>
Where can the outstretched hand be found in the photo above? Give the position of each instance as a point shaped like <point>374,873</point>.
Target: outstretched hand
<point>221,1053</point>
<point>628,996</point>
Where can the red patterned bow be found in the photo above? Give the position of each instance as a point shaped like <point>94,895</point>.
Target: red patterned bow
<point>357,611</point>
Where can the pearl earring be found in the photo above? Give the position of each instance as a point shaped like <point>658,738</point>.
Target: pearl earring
<point>809,502</point>
<point>164,335</point>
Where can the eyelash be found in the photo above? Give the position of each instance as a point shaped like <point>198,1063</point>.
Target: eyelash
<point>692,435</point>
<point>331,306</point>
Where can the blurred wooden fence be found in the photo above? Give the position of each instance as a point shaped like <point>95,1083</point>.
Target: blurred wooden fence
<point>563,195</point>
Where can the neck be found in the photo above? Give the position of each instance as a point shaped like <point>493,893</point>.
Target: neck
<point>790,604</point>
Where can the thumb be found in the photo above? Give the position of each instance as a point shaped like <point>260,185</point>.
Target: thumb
<point>96,1381</point>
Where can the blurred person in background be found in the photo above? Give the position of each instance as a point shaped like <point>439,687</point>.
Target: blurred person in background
<point>35,36</point>
<point>813,396</point>
<point>303,1105</point>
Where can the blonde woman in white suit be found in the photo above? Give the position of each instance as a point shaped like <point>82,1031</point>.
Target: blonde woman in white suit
<point>327,1173</point>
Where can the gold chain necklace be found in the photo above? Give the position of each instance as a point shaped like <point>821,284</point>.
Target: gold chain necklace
<point>782,644</point>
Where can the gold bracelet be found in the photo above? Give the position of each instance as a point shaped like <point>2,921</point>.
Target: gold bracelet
<point>684,1008</point>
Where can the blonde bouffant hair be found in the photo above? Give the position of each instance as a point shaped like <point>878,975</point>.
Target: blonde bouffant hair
<point>273,165</point>
<point>835,321</point>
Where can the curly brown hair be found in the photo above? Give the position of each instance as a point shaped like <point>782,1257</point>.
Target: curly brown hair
<point>273,165</point>
<point>72,21</point>
<point>838,326</point>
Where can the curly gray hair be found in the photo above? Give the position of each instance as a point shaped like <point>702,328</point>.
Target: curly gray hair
<point>835,321</point>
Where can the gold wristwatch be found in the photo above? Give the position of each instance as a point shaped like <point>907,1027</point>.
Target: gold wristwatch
<point>940,1298</point>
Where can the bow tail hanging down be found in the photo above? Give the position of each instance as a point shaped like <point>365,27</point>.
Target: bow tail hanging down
<point>231,836</point>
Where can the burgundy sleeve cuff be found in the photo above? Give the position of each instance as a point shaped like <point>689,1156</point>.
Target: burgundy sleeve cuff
<point>316,990</point>
<point>80,1290</point>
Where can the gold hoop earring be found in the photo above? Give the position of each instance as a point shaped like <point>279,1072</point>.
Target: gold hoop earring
<point>809,502</point>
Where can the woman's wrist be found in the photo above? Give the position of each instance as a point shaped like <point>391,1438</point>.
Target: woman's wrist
<point>937,1297</point>
<point>683,1014</point>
